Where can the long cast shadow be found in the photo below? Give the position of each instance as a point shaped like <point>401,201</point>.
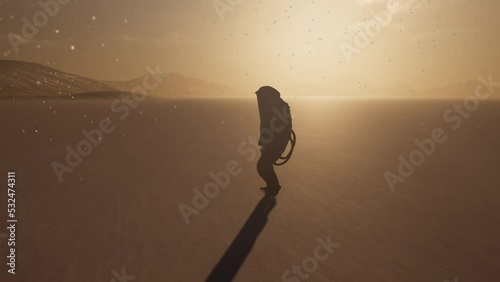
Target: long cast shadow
<point>231,261</point>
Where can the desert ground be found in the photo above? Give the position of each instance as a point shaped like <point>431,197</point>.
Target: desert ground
<point>117,213</point>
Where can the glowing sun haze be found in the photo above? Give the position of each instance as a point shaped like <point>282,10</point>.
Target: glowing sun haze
<point>295,46</point>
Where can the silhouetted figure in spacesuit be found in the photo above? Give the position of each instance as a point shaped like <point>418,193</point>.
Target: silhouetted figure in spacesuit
<point>275,133</point>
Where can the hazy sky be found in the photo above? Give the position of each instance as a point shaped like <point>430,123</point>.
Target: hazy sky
<point>293,45</point>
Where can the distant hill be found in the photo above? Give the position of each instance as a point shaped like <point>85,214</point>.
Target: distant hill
<point>460,90</point>
<point>177,85</point>
<point>24,79</point>
<point>101,94</point>
<point>358,86</point>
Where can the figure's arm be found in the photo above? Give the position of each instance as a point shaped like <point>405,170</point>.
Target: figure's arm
<point>263,120</point>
